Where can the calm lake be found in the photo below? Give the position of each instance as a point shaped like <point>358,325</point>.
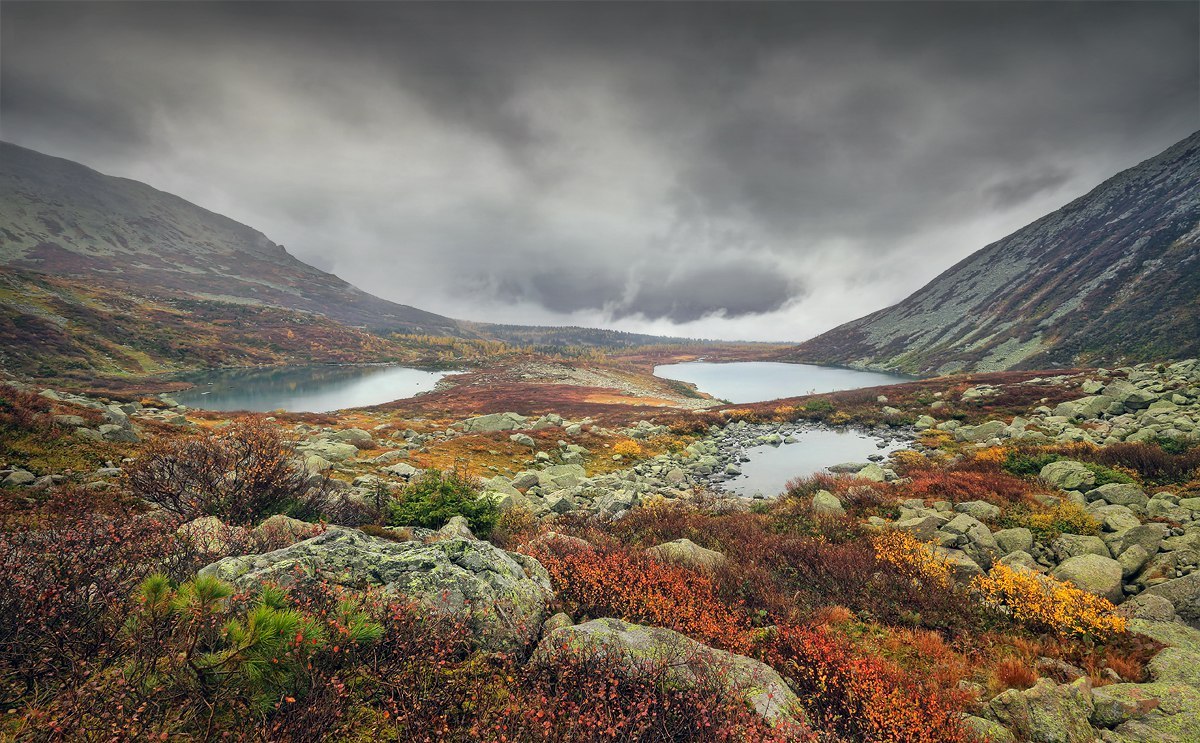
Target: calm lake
<point>756,381</point>
<point>770,467</point>
<point>308,389</point>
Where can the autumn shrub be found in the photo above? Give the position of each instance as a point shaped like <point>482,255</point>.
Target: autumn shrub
<point>583,696</point>
<point>241,473</point>
<point>819,405</point>
<point>1028,464</point>
<point>1164,462</point>
<point>863,697</point>
<point>434,497</point>
<point>628,448</point>
<point>67,580</point>
<point>199,660</point>
<point>958,486</point>
<point>817,573</point>
<point>618,582</point>
<point>1048,605</point>
<point>1014,673</point>
<point>1047,522</point>
<point>911,557</point>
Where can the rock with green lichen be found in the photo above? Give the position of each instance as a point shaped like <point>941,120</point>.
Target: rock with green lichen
<point>501,595</point>
<point>686,662</point>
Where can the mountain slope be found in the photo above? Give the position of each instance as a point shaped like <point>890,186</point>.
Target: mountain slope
<point>62,218</point>
<point>1112,277</point>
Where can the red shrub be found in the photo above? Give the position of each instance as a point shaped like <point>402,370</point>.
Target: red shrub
<point>864,698</point>
<point>958,486</point>
<point>593,698</point>
<point>618,582</point>
<point>239,474</point>
<point>67,584</point>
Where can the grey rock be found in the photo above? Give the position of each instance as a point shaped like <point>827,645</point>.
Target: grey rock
<point>20,477</point>
<point>1068,475</point>
<point>494,422</point>
<point>688,553</point>
<point>501,595</point>
<point>686,662</point>
<point>1119,494</point>
<point>1048,712</point>
<point>978,509</point>
<point>1018,539</point>
<point>1092,573</point>
<point>1183,593</point>
<point>826,503</point>
<point>1066,546</point>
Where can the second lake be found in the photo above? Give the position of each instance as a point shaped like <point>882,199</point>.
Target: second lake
<point>756,381</point>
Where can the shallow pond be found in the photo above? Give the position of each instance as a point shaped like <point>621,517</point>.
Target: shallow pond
<point>770,467</point>
<point>309,389</point>
<point>756,381</point>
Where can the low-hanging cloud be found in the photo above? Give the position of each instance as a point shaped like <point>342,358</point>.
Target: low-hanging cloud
<point>722,170</point>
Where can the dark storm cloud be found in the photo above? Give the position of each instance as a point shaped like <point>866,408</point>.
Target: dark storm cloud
<point>655,165</point>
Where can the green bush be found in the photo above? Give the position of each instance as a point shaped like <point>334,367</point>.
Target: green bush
<point>435,497</point>
<point>1107,476</point>
<point>819,405</point>
<point>1019,463</point>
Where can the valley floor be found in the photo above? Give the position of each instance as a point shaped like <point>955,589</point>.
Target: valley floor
<point>537,552</point>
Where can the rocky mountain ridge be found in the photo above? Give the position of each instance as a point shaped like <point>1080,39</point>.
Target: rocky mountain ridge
<point>62,218</point>
<point>1112,277</point>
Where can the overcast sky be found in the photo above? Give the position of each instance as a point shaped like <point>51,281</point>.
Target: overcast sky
<point>712,170</point>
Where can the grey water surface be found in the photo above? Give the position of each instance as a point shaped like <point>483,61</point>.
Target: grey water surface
<point>756,381</point>
<point>310,389</point>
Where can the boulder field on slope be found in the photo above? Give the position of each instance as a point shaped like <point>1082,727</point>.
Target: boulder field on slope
<point>503,596</point>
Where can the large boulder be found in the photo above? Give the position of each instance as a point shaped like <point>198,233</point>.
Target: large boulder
<point>501,595</point>
<point>1068,475</point>
<point>1128,395</point>
<point>1092,573</point>
<point>687,663</point>
<point>1119,494</point>
<point>1084,408</point>
<point>687,553</point>
<point>355,437</point>
<point>1047,713</point>
<point>1160,712</point>
<point>494,422</point>
<point>1018,539</point>
<point>1183,593</point>
<point>825,503</point>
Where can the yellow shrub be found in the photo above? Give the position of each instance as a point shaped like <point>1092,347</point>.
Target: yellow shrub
<point>934,437</point>
<point>907,459</point>
<point>992,455</point>
<point>628,448</point>
<point>1043,603</point>
<point>1067,516</point>
<point>839,417</point>
<point>912,557</point>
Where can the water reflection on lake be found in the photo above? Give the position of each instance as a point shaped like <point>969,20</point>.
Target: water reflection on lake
<point>755,381</point>
<point>770,467</point>
<point>312,389</point>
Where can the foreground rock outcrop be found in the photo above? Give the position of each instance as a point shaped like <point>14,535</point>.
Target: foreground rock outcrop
<point>502,596</point>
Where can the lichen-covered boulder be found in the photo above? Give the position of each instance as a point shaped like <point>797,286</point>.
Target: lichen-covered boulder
<point>501,595</point>
<point>687,553</point>
<point>1068,475</point>
<point>1047,713</point>
<point>826,503</point>
<point>686,662</point>
<point>1184,595</point>
<point>1094,574</point>
<point>1159,712</point>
